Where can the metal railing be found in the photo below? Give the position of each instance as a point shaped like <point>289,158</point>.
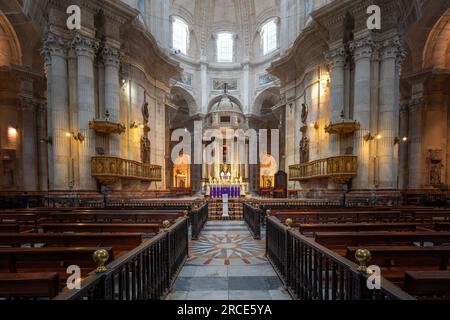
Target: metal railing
<point>253,216</point>
<point>109,169</point>
<point>338,167</point>
<point>313,272</point>
<point>198,218</point>
<point>145,273</point>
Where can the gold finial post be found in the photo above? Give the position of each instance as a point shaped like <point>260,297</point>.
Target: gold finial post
<point>166,224</point>
<point>100,257</point>
<point>289,223</point>
<point>363,256</point>
<point>269,212</point>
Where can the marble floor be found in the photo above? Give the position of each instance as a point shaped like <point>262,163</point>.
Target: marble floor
<point>226,263</point>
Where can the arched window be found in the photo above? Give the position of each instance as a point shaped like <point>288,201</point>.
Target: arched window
<point>225,47</point>
<point>309,7</point>
<point>180,35</point>
<point>269,37</point>
<point>141,8</point>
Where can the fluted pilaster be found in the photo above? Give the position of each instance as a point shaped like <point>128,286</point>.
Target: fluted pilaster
<point>392,56</point>
<point>111,60</point>
<point>337,60</point>
<point>55,55</point>
<point>362,52</point>
<point>86,49</point>
<point>29,160</point>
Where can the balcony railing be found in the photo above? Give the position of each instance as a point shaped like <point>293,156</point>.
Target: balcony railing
<point>340,169</point>
<point>108,170</point>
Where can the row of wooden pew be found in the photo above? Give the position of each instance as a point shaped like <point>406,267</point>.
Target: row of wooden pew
<point>38,245</point>
<point>411,245</point>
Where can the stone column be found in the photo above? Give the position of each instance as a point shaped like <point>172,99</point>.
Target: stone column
<point>29,160</point>
<point>58,111</point>
<point>391,58</point>
<point>111,59</point>
<point>86,49</point>
<point>416,152</point>
<point>204,87</point>
<point>337,97</point>
<point>403,146</point>
<point>362,52</point>
<point>42,146</point>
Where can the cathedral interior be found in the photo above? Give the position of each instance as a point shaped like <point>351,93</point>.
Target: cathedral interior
<point>242,107</point>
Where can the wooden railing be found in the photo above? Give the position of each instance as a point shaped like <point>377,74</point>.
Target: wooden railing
<point>145,273</point>
<point>253,216</point>
<point>340,168</point>
<point>108,170</point>
<point>198,218</point>
<point>312,272</point>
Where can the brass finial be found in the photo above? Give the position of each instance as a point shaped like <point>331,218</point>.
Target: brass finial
<point>186,213</point>
<point>100,257</point>
<point>166,224</point>
<point>289,223</point>
<point>363,256</point>
<point>269,212</point>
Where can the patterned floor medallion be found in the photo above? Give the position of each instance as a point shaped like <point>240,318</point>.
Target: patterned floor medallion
<point>227,249</point>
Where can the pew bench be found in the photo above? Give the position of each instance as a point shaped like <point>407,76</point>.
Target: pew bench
<point>119,241</point>
<point>19,260</point>
<point>355,227</point>
<point>9,228</point>
<point>428,284</point>
<point>29,285</point>
<point>101,227</point>
<point>143,217</point>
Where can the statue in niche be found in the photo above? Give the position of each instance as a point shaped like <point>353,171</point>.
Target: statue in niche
<point>435,167</point>
<point>145,150</point>
<point>305,112</point>
<point>304,150</point>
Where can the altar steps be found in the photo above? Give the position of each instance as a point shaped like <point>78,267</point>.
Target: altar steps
<point>235,208</point>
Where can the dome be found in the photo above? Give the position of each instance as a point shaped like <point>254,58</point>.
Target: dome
<point>225,105</point>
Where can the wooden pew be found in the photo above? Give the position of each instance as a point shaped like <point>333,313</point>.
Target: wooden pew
<point>101,227</point>
<point>19,217</point>
<point>112,216</point>
<point>427,283</point>
<point>411,257</point>
<point>119,241</point>
<point>11,228</point>
<point>44,259</point>
<point>339,240</point>
<point>341,217</point>
<point>29,285</point>
<point>442,226</point>
<point>356,227</point>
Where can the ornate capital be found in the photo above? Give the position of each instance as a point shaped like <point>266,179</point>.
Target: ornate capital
<point>111,56</point>
<point>393,49</point>
<point>85,46</point>
<point>27,104</point>
<point>362,49</point>
<point>336,58</point>
<point>53,46</point>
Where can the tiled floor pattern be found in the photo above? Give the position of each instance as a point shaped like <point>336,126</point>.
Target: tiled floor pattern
<point>227,264</point>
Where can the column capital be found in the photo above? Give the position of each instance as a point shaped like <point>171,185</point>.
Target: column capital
<point>53,46</point>
<point>27,104</point>
<point>393,49</point>
<point>363,48</point>
<point>85,46</point>
<point>111,56</point>
<point>337,57</point>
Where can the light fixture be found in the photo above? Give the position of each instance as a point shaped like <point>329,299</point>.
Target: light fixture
<point>48,140</point>
<point>379,136</point>
<point>314,125</point>
<point>397,140</point>
<point>68,134</point>
<point>78,136</point>
<point>136,125</point>
<point>405,139</point>
<point>368,137</point>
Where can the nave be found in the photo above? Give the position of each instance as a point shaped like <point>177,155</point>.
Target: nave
<point>226,263</point>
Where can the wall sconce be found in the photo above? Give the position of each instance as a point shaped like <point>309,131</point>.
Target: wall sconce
<point>78,136</point>
<point>136,125</point>
<point>48,140</point>
<point>314,125</point>
<point>370,137</point>
<point>397,140</point>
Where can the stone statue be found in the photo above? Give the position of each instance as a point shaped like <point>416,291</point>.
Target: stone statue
<point>145,149</point>
<point>305,112</point>
<point>304,150</point>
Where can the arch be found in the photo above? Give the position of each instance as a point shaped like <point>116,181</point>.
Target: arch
<point>10,49</point>
<point>218,98</point>
<point>180,94</point>
<point>436,52</point>
<point>269,96</point>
